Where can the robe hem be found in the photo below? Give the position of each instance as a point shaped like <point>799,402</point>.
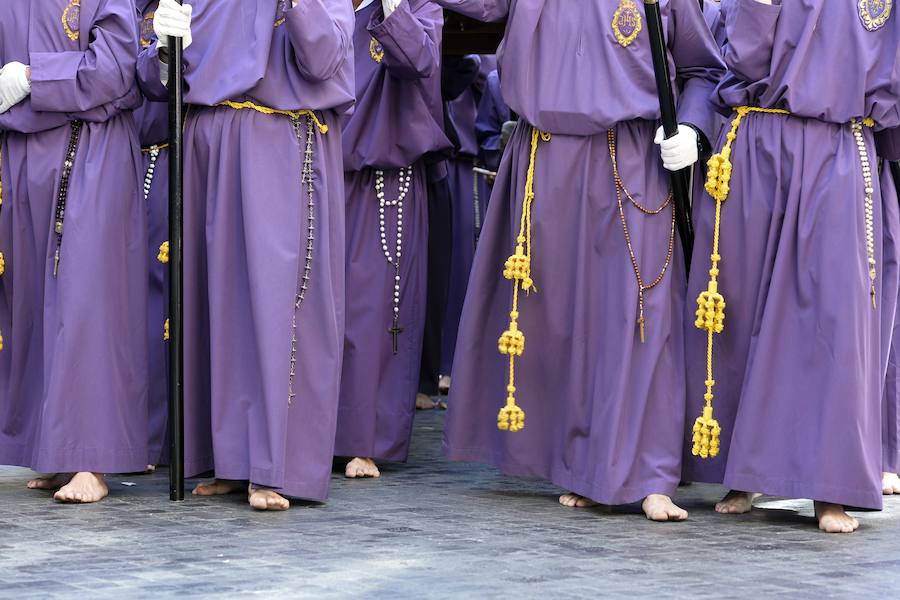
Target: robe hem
<point>791,488</point>
<point>61,460</point>
<point>267,478</point>
<point>567,481</point>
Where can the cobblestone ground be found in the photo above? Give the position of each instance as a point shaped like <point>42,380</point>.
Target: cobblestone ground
<point>429,529</point>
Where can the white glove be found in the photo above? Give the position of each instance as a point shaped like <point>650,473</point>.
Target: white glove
<point>389,6</point>
<point>172,19</point>
<point>14,85</point>
<point>680,151</point>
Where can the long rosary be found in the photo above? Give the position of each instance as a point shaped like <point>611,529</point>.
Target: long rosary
<point>620,190</point>
<point>405,175</point>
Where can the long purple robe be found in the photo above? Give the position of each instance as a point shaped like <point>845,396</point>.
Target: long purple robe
<point>604,411</point>
<point>396,122</point>
<point>469,195</point>
<point>248,347</point>
<point>712,12</point>
<point>153,131</point>
<point>73,369</point>
<point>888,147</point>
<point>801,364</point>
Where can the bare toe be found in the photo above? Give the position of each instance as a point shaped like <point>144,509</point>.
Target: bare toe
<point>834,519</point>
<point>660,508</point>
<point>83,488</point>
<point>219,487</point>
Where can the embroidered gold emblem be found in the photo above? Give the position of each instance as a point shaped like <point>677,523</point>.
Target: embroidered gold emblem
<point>71,20</point>
<point>376,51</point>
<point>147,30</point>
<point>875,13</point>
<point>627,22</point>
<point>279,12</point>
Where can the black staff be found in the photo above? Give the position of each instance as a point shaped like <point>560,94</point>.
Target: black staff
<point>176,268</point>
<point>681,178</point>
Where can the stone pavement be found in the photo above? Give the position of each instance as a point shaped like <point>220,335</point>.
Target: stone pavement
<point>429,529</point>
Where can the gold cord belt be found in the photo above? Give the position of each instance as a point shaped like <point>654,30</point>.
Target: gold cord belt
<point>711,303</point>
<point>293,114</point>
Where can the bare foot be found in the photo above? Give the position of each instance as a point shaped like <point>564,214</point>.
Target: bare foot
<point>890,484</point>
<point>263,499</point>
<point>219,487</point>
<point>362,467</point>
<point>50,482</point>
<point>424,402</point>
<point>736,503</point>
<point>833,519</point>
<point>151,469</point>
<point>444,384</point>
<point>84,488</point>
<point>573,500</point>
<point>661,508</point>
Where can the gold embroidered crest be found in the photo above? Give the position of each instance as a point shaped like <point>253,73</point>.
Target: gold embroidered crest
<point>147,30</point>
<point>627,22</point>
<point>71,20</point>
<point>279,12</point>
<point>376,51</point>
<point>875,13</point>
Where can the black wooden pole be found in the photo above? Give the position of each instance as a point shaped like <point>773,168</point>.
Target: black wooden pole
<point>680,179</point>
<point>176,269</point>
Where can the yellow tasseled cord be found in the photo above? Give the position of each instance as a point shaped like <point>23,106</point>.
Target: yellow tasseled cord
<point>166,331</point>
<point>518,270</point>
<point>294,114</point>
<point>711,303</point>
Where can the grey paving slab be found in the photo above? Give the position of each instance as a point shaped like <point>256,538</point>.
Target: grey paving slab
<point>428,529</point>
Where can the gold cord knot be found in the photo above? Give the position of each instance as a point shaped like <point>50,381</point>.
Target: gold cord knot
<point>163,255</point>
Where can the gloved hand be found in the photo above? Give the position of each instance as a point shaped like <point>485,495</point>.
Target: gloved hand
<point>679,151</point>
<point>14,85</point>
<point>172,19</point>
<point>389,6</point>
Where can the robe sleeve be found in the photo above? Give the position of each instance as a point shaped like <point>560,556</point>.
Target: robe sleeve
<point>483,10</point>
<point>698,65</point>
<point>148,74</point>
<point>321,33</point>
<point>750,35</point>
<point>411,38</point>
<point>75,82</point>
<point>489,123</point>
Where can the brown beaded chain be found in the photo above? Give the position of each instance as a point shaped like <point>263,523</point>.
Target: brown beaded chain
<point>620,190</point>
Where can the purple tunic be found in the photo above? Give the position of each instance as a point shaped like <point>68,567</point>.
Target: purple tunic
<point>73,369</point>
<point>262,374</point>
<point>396,122</point>
<point>469,195</point>
<point>801,364</point>
<point>888,147</point>
<point>153,130</point>
<point>604,411</point>
<point>713,14</point>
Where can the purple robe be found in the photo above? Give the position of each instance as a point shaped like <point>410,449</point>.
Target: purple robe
<point>396,122</point>
<point>73,369</point>
<point>469,195</point>
<point>153,130</point>
<point>889,150</point>
<point>604,412</point>
<point>492,114</point>
<point>714,19</point>
<point>801,364</point>
<point>261,373</point>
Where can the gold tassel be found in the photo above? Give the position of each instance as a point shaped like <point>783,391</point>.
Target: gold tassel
<point>2,264</point>
<point>166,331</point>
<point>163,255</point>
<point>518,270</point>
<point>710,303</point>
